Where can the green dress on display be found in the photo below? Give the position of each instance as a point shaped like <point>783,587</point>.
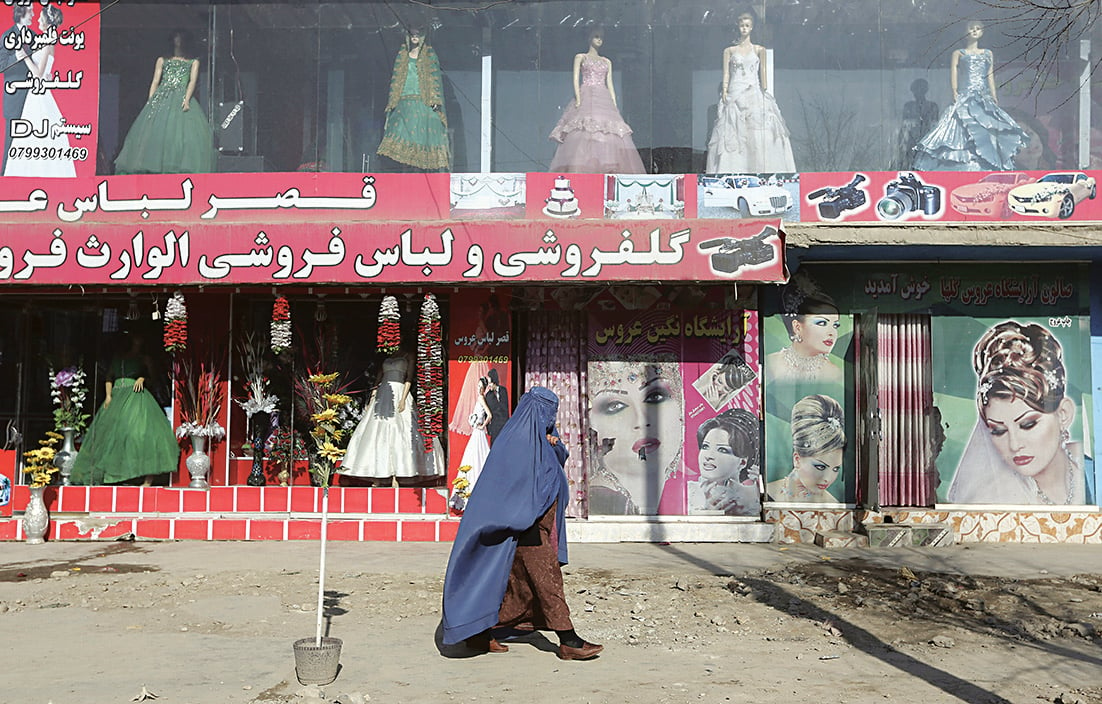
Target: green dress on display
<point>416,124</point>
<point>165,139</point>
<point>129,438</point>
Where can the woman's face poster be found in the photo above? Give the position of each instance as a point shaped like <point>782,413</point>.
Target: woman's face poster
<point>1014,397</point>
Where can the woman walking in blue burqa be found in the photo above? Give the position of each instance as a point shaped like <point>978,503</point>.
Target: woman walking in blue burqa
<point>505,565</point>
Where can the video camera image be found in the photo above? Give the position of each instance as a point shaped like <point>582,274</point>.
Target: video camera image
<point>836,200</point>
<point>730,254</point>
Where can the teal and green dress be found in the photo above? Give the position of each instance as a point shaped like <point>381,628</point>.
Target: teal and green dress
<point>128,438</point>
<point>165,139</point>
<point>416,132</point>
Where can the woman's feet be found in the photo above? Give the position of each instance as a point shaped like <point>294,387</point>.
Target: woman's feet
<point>585,651</point>
<point>484,642</point>
<point>572,647</point>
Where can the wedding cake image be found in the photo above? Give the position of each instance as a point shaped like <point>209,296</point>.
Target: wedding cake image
<point>562,203</point>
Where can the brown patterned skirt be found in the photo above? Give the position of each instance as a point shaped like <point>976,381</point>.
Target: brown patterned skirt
<point>535,591</point>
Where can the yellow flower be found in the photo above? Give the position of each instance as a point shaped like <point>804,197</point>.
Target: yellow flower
<point>465,468</point>
<point>337,399</point>
<point>323,379</point>
<point>51,434</point>
<point>325,416</point>
<point>460,483</point>
<point>330,452</point>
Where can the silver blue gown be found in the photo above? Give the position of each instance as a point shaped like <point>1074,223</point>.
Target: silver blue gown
<point>974,133</point>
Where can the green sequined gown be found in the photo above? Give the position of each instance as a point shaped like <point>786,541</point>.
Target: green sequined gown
<point>129,438</point>
<point>415,133</point>
<point>166,139</point>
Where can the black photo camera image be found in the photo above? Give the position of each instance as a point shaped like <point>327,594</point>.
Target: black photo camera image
<point>838,200</point>
<point>907,194</point>
<point>730,254</point>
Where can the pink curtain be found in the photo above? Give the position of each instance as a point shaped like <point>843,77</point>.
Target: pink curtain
<point>909,423</point>
<point>556,358</point>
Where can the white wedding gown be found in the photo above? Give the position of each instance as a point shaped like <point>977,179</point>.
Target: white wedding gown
<point>387,442</point>
<point>478,447</point>
<point>41,107</point>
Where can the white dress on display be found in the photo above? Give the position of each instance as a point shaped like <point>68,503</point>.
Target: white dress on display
<point>478,447</point>
<point>749,135</point>
<point>51,159</point>
<point>387,442</point>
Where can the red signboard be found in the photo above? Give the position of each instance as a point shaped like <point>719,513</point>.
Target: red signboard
<point>391,252</point>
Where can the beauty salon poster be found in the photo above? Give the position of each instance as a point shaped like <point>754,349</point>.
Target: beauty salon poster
<point>656,375</point>
<point>1014,395</point>
<point>810,448</point>
<point>50,53</point>
<point>992,329</point>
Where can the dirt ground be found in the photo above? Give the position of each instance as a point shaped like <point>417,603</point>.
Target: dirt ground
<point>90,623</point>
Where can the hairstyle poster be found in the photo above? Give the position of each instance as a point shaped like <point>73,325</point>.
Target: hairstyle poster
<point>479,380</point>
<point>674,408</point>
<point>1014,395</point>
<point>809,452</point>
<point>50,56</point>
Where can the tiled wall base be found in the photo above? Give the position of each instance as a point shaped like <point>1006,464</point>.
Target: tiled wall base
<point>800,525</point>
<point>399,528</point>
<point>1083,527</point>
<point>967,526</point>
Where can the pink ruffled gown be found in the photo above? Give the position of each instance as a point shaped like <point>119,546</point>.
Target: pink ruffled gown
<point>593,137</point>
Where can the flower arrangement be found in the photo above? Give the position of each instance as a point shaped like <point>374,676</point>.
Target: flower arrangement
<point>258,398</point>
<point>281,325</point>
<point>39,465</point>
<point>323,400</point>
<point>430,373</point>
<point>284,447</point>
<point>68,391</point>
<point>200,398</point>
<point>175,335</point>
<point>462,488</point>
<point>390,332</point>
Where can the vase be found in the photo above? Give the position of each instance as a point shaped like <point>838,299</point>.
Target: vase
<point>66,454</point>
<point>261,425</point>
<point>36,519</point>
<point>198,463</point>
<point>283,477</point>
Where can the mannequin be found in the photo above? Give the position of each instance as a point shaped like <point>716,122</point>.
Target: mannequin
<point>170,135</point>
<point>130,436</point>
<point>974,133</point>
<point>416,124</point>
<point>39,107</point>
<point>387,443</point>
<point>750,135</point>
<point>592,135</point>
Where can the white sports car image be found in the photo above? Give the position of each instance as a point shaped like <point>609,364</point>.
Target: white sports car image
<point>1055,195</point>
<point>747,194</point>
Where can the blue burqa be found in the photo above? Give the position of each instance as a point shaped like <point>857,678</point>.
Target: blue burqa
<point>523,476</point>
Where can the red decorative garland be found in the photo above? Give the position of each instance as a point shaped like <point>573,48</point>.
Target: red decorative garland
<point>430,373</point>
<point>175,331</point>
<point>280,331</point>
<point>390,330</point>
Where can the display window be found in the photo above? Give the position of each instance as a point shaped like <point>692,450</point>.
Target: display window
<point>605,87</point>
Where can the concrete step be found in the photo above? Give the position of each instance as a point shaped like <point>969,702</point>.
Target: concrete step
<point>909,534</point>
<point>840,539</point>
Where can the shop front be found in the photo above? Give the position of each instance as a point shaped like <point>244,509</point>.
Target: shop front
<point>931,402</point>
<point>227,298</point>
